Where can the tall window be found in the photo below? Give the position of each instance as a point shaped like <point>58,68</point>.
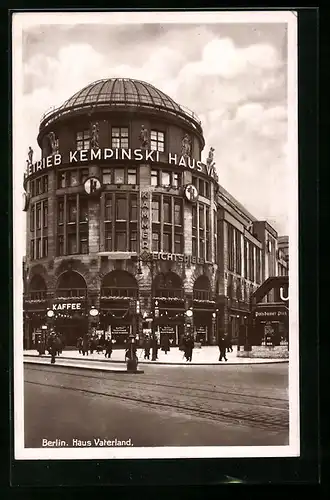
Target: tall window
<point>32,218</point>
<point>194,216</point>
<point>60,245</point>
<point>61,180</point>
<point>251,262</point>
<point>120,241</point>
<point>38,207</point>
<point>176,180</point>
<point>45,247</point>
<point>45,221</point>
<point>238,252</point>
<point>167,242</point>
<point>84,174</point>
<point>177,213</point>
<point>83,241</point>
<point>166,178</point>
<point>72,178</point>
<point>119,137</point>
<point>207,238</point>
<point>201,217</point>
<point>72,243</point>
<point>106,176</point>
<point>157,141</point>
<point>154,177</point>
<point>133,241</point>
<point>230,233</point>
<point>178,243</point>
<point>155,242</point>
<point>133,208</point>
<point>131,176</point>
<point>72,210</point>
<point>38,248</point>
<point>258,266</point>
<point>38,186</point>
<point>83,140</point>
<point>155,211</point>
<point>194,246</point>
<point>83,210</point>
<point>60,214</point>
<point>119,176</point>
<point>121,213</point>
<point>167,210</point>
<point>246,260</point>
<point>108,240</point>
<point>108,208</point>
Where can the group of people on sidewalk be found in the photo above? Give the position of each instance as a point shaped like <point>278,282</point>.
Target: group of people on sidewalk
<point>54,344</point>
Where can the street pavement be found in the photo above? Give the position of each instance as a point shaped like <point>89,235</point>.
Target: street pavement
<point>204,355</point>
<point>167,405</point>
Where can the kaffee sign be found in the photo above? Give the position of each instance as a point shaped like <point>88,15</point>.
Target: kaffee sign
<point>139,155</point>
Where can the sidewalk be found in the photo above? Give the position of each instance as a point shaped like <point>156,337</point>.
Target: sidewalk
<point>207,355</point>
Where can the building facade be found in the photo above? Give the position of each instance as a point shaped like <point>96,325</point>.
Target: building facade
<point>127,229</point>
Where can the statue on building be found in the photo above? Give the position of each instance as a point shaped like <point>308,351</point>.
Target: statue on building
<point>30,155</point>
<point>95,136</point>
<point>53,143</point>
<point>186,145</point>
<point>210,158</point>
<point>143,137</point>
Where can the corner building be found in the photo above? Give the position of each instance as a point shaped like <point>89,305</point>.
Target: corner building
<point>125,220</point>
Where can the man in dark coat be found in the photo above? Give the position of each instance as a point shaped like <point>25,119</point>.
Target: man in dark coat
<point>165,343</point>
<point>154,347</point>
<point>85,345</point>
<point>147,345</point>
<point>80,345</point>
<point>52,348</point>
<point>222,347</point>
<point>188,347</point>
<point>229,344</point>
<point>108,348</point>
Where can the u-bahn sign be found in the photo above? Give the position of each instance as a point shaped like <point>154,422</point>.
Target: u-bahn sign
<point>108,154</point>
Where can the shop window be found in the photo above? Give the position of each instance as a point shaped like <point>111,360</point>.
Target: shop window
<point>108,241</point>
<point>121,209</point>
<point>84,174</point>
<point>167,210</point>
<point>133,208</point>
<point>83,140</point>
<point>32,213</point>
<point>131,176</point>
<point>155,211</point>
<point>72,211</point>
<point>106,176</point>
<point>157,141</point>
<point>155,242</point>
<point>120,241</point>
<point>177,214</point>
<point>108,208</point>
<point>72,243</point>
<point>45,221</point>
<point>84,242</point>
<point>178,243</point>
<point>166,178</point>
<point>119,137</point>
<point>119,176</point>
<point>167,242</point>
<point>45,247</point>
<point>154,177</point>
<point>60,245</point>
<point>133,241</point>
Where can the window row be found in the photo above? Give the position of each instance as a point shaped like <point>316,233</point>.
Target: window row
<point>72,243</point>
<point>167,210</point>
<point>39,248</point>
<point>38,186</point>
<point>163,178</point>
<point>72,209</point>
<point>167,242</point>
<point>239,249</point>
<point>202,186</point>
<point>120,139</point>
<point>39,215</point>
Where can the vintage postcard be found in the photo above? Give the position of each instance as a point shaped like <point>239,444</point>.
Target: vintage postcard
<point>155,222</point>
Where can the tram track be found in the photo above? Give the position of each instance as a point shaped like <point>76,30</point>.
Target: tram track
<point>256,413</point>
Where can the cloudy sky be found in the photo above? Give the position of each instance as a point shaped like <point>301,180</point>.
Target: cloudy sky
<point>233,75</point>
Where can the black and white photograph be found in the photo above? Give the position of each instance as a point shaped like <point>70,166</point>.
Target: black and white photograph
<point>155,223</point>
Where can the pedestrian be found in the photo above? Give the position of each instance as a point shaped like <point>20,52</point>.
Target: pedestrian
<point>52,348</point>
<point>58,345</point>
<point>85,345</point>
<point>165,343</point>
<point>108,348</point>
<point>222,347</point>
<point>92,345</point>
<point>229,344</point>
<point>154,348</point>
<point>147,345</point>
<point>80,345</point>
<point>188,347</point>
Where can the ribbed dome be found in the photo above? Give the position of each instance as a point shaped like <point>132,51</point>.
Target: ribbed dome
<point>116,93</point>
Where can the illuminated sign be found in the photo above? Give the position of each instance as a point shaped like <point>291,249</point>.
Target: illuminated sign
<point>92,185</point>
<point>177,257</point>
<point>69,305</point>
<point>191,193</point>
<point>106,154</point>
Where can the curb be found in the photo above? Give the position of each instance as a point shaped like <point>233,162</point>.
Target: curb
<point>154,363</point>
<point>129,372</point>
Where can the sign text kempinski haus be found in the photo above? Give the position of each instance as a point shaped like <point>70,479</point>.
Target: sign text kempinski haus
<point>88,155</point>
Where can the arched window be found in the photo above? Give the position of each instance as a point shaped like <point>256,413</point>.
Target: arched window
<point>119,284</point>
<point>37,288</point>
<point>168,285</point>
<point>71,284</point>
<point>202,288</point>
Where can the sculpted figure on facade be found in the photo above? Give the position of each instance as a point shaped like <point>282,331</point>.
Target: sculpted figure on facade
<point>144,137</point>
<point>53,143</point>
<point>210,158</point>
<point>30,155</point>
<point>186,145</point>
<point>95,136</point>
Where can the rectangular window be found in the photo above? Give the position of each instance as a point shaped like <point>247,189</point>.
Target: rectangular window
<point>108,208</point>
<point>131,176</point>
<point>155,242</point>
<point>106,175</point>
<point>238,252</point>
<point>72,211</point>
<point>201,217</point>
<point>177,214</point>
<point>166,178</point>
<point>207,217</point>
<point>157,141</point>
<point>178,243</point>
<point>207,189</point>
<point>72,243</point>
<point>83,212</point>
<point>119,176</point>
<point>38,206</point>
<point>133,241</point>
<point>32,249</point>
<point>121,209</point>
<point>45,247</point>
<point>38,186</point>
<point>155,211</point>
<point>61,180</point>
<point>84,174</point>
<point>108,241</point>
<point>167,242</point>
<point>133,208</point>
<point>154,177</point>
<point>60,245</point>
<point>84,242</point>
<point>251,263</point>
<point>120,241</point>
<point>167,210</point>
<point>60,215</point>
<point>201,247</point>
<point>33,188</point>
<point>194,247</point>
<point>72,179</point>
<point>245,259</point>
<point>258,266</point>
<point>201,187</point>
<point>45,183</point>
<point>176,180</point>
<point>194,181</point>
<point>38,248</point>
<point>194,216</point>
<point>119,137</point>
<point>32,218</point>
<point>45,221</point>
<point>230,233</point>
<point>83,140</point>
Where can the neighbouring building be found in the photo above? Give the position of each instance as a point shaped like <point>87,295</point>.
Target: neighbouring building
<point>128,229</point>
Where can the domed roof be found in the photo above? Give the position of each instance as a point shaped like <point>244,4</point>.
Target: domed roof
<point>119,92</point>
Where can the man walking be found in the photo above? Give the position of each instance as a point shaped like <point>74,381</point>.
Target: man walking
<point>222,348</point>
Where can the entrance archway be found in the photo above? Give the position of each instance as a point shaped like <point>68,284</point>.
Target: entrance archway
<point>71,284</point>
<point>169,307</point>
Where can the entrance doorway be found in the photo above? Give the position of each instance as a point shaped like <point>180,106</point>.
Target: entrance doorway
<point>71,330</point>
